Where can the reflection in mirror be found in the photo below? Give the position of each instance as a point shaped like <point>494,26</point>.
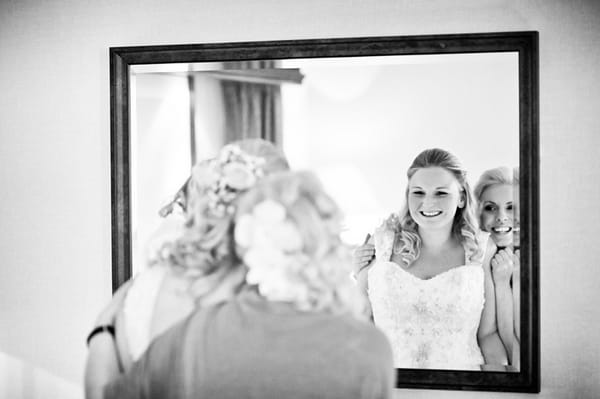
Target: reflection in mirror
<point>358,123</point>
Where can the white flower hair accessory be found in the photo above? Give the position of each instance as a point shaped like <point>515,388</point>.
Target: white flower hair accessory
<point>287,234</point>
<point>274,257</point>
<point>223,178</point>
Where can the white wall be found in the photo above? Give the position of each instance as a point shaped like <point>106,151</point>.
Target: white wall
<point>55,154</point>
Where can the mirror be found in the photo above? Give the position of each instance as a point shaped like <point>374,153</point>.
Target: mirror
<point>356,112</point>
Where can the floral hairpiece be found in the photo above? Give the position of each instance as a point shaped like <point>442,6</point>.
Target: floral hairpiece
<point>274,254</point>
<point>288,237</point>
<point>223,178</point>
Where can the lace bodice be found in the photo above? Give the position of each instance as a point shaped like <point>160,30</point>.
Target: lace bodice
<point>430,323</point>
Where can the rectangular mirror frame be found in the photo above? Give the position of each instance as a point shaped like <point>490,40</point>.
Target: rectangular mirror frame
<point>525,43</point>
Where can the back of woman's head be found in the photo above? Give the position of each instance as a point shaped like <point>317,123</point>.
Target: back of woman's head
<point>205,246</point>
<point>287,232</point>
<point>464,226</point>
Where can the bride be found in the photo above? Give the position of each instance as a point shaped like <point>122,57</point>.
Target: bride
<point>429,285</point>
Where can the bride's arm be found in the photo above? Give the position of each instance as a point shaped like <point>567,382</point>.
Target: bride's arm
<point>489,340</point>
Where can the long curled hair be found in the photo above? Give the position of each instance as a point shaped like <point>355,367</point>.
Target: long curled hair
<point>315,273</point>
<point>464,226</point>
<point>501,175</point>
<point>204,251</point>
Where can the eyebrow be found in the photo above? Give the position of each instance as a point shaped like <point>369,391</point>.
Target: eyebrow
<point>495,203</point>
<point>437,188</point>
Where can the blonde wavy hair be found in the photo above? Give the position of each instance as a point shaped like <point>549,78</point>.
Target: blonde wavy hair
<point>502,175</point>
<point>322,265</point>
<point>204,251</point>
<point>465,225</point>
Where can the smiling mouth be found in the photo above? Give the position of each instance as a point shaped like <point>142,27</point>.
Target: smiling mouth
<point>430,214</point>
<point>502,230</point>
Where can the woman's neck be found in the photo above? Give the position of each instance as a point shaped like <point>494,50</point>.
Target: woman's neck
<point>437,239</point>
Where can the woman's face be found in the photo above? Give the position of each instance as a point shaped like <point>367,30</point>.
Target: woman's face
<point>434,195</point>
<point>497,214</point>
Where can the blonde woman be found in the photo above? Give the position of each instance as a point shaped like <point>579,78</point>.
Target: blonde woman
<point>428,275</point>
<point>294,330</point>
<point>497,195</point>
<point>196,268</point>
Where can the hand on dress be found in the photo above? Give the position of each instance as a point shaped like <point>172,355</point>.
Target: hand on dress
<point>502,266</point>
<point>108,315</point>
<point>362,256</point>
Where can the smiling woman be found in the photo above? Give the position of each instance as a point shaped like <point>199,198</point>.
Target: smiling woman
<point>498,210</point>
<point>494,192</point>
<point>430,286</point>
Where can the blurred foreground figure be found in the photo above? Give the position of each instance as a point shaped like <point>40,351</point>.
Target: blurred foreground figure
<point>297,327</point>
<point>194,264</point>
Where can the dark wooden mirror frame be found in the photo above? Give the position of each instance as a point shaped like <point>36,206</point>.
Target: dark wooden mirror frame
<point>525,43</point>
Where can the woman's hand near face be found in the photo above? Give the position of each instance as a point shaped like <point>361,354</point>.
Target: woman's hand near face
<point>502,271</point>
<point>491,345</point>
<point>502,266</point>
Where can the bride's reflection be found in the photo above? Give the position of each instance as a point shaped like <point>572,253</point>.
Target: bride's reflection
<point>430,283</point>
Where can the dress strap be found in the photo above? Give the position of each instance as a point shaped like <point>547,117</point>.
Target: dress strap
<point>384,238</point>
<point>482,240</point>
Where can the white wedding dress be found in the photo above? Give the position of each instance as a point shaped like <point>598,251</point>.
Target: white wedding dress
<point>431,323</point>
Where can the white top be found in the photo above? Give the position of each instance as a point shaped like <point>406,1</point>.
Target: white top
<point>138,309</point>
<point>431,323</point>
<point>156,301</point>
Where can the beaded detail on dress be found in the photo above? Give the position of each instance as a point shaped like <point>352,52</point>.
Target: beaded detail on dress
<point>430,323</point>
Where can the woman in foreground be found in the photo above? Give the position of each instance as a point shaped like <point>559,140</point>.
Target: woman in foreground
<point>295,330</point>
<point>194,267</point>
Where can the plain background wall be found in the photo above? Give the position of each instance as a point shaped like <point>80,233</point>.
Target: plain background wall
<point>55,154</point>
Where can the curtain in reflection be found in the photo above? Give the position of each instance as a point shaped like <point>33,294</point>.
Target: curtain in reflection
<point>252,110</point>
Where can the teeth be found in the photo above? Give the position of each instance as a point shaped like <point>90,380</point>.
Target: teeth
<point>430,214</point>
<point>501,229</point>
